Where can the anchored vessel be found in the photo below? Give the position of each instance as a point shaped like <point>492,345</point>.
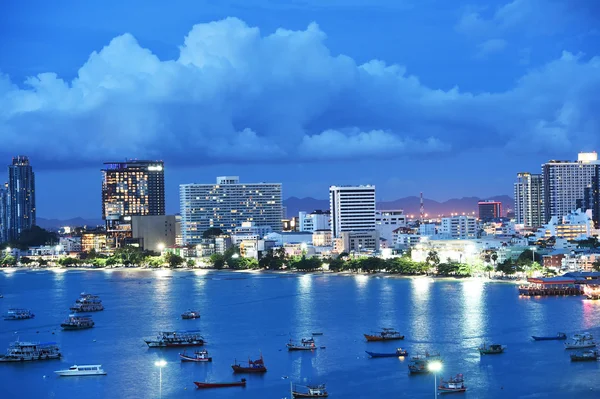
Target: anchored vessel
<point>176,339</point>
<point>74,371</point>
<point>309,391</point>
<point>28,351</point>
<point>87,303</point>
<point>254,366</point>
<point>304,345</point>
<point>419,363</point>
<point>453,384</point>
<point>18,314</point>
<point>399,353</point>
<point>198,356</point>
<point>77,323</point>
<point>558,336</point>
<point>190,314</point>
<point>386,334</point>
<point>241,383</point>
<point>493,349</point>
<point>581,341</point>
<point>586,356</point>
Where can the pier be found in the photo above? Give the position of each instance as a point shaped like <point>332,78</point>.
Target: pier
<point>550,286</point>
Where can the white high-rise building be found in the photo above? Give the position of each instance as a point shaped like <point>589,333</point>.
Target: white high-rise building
<point>462,227</point>
<point>387,221</point>
<point>352,209</point>
<point>529,200</point>
<point>315,221</point>
<point>226,205</point>
<point>565,183</point>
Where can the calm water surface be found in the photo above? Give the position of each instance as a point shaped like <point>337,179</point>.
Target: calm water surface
<point>246,314</point>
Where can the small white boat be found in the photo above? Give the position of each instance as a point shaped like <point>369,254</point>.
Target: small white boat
<point>581,341</point>
<point>94,369</point>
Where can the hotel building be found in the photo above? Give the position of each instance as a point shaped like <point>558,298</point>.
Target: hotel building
<point>352,209</point>
<point>529,196</point>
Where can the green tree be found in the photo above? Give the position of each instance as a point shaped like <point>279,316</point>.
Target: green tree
<point>9,260</point>
<point>35,236</point>
<point>129,255</point>
<point>494,258</point>
<point>25,260</point>
<point>217,261</point>
<point>212,233</point>
<point>527,257</point>
<point>307,264</point>
<point>43,262</point>
<point>68,262</point>
<point>190,263</point>
<point>111,261</point>
<point>337,264</point>
<point>173,260</point>
<point>432,258</point>
<point>489,269</point>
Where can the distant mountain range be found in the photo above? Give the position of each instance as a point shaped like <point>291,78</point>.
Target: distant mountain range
<point>55,224</point>
<point>410,205</point>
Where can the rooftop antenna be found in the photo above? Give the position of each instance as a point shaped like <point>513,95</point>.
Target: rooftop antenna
<point>422,209</point>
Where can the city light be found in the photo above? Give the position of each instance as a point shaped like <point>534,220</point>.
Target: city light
<point>160,364</point>
<point>161,246</point>
<point>435,367</point>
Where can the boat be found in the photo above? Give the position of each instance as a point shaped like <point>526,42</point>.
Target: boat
<point>317,333</point>
<point>254,366</point>
<point>452,385</point>
<point>586,356</point>
<point>309,391</point>
<point>18,314</point>
<point>77,323</point>
<point>418,367</point>
<point>304,345</point>
<point>581,341</point>
<point>87,303</point>
<point>75,371</point>
<point>198,356</point>
<point>21,351</point>
<point>190,314</point>
<point>427,357</point>
<point>558,336</point>
<point>386,334</point>
<point>399,353</point>
<point>166,339</point>
<point>493,349</point>
<point>201,385</point>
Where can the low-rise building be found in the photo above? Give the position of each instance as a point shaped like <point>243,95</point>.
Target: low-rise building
<point>70,243</point>
<point>185,251</point>
<point>295,237</point>
<point>554,259</point>
<point>222,244</point>
<point>317,220</point>
<point>386,221</point>
<point>358,241</point>
<point>94,240</point>
<point>322,238</point>
<point>153,233</point>
<point>459,227</point>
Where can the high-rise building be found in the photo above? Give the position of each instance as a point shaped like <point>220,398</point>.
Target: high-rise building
<point>565,183</point>
<point>3,214</point>
<point>489,210</point>
<point>21,197</point>
<point>315,221</point>
<point>386,221</point>
<point>591,198</point>
<point>131,188</point>
<point>529,197</point>
<point>459,227</point>
<point>352,209</point>
<point>226,205</point>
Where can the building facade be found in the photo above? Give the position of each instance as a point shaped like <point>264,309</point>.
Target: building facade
<point>21,197</point>
<point>529,200</point>
<point>358,242</point>
<point>489,210</point>
<point>352,209</point>
<point>226,205</point>
<point>565,183</point>
<point>153,233</point>
<point>459,227</point>
<point>386,221</point>
<point>317,220</point>
<point>3,215</point>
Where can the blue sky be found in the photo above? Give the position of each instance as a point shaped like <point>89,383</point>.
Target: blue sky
<point>449,98</point>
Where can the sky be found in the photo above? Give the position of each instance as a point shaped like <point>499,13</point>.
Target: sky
<point>448,98</point>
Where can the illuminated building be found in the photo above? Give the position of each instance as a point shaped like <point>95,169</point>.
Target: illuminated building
<point>387,221</point>
<point>462,227</point>
<point>3,215</point>
<point>95,240</point>
<point>352,209</point>
<point>489,210</point>
<point>317,220</point>
<point>226,205</point>
<point>529,196</point>
<point>21,197</point>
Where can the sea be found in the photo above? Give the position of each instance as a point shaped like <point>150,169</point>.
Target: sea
<point>246,315</point>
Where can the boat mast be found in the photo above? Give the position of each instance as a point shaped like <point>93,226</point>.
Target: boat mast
<point>291,391</point>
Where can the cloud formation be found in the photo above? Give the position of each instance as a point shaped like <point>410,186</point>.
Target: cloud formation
<point>236,95</point>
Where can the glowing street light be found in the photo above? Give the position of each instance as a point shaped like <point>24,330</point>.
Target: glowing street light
<point>161,246</point>
<point>532,254</point>
<point>235,256</point>
<point>160,364</point>
<point>435,367</point>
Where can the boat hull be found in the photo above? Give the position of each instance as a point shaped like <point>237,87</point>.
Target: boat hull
<point>193,359</point>
<point>487,352</point>
<point>308,395</point>
<point>581,346</point>
<point>161,344</point>
<point>300,348</point>
<point>69,327</point>
<point>68,373</point>
<point>375,354</point>
<point>373,338</point>
<point>203,385</point>
<point>253,370</point>
<point>557,338</point>
<point>6,359</point>
<point>584,359</point>
<point>452,390</point>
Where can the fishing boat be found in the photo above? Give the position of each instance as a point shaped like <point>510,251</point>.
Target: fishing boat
<point>79,371</point>
<point>493,349</point>
<point>386,334</point>
<point>77,323</point>
<point>452,385</point>
<point>317,333</point>
<point>581,341</point>
<point>87,303</point>
<point>418,367</point>
<point>399,353</point>
<point>29,351</point>
<point>202,385</point>
<point>427,356</point>
<point>198,356</point>
<point>190,314</point>
<point>557,337</point>
<point>18,314</point>
<point>304,345</point>
<point>586,356</point>
<point>309,391</point>
<point>254,366</point>
<point>176,339</point>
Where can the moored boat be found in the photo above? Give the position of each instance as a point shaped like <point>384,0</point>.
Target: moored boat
<point>254,366</point>
<point>18,314</point>
<point>77,323</point>
<point>399,353</point>
<point>29,351</point>
<point>581,341</point>
<point>168,339</point>
<point>74,371</point>
<point>309,391</point>
<point>493,349</point>
<point>452,385</point>
<point>558,336</point>
<point>418,367</point>
<point>87,303</point>
<point>198,356</point>
<point>241,383</point>
<point>190,314</point>
<point>586,356</point>
<point>304,345</point>
<point>386,334</point>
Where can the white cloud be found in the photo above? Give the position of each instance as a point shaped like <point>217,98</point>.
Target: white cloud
<point>490,46</point>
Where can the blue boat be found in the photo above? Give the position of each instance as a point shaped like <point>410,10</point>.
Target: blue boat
<point>399,352</point>
<point>557,337</point>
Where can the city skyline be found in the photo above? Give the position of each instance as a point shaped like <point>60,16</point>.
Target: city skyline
<point>499,90</point>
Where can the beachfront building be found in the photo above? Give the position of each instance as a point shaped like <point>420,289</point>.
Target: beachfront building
<point>386,221</point>
<point>529,197</point>
<point>459,227</point>
<point>352,209</point>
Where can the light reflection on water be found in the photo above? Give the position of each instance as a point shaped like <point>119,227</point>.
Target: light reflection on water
<point>472,309</point>
<point>420,329</point>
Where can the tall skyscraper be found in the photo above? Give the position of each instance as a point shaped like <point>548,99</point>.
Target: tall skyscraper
<point>226,205</point>
<point>489,210</point>
<point>565,183</point>
<point>529,196</point>
<point>352,209</point>
<point>21,197</point>
<point>4,214</point>
<point>592,197</point>
<point>131,188</point>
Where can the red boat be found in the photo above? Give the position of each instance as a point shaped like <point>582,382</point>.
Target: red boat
<point>254,366</point>
<point>202,385</point>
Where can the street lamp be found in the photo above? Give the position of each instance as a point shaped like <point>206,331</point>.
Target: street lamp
<point>532,254</point>
<point>435,367</point>
<point>160,364</point>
